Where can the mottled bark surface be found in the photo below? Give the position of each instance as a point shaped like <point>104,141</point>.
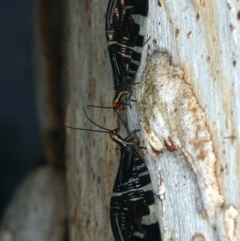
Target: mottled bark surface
<point>187,108</point>
<point>92,158</point>
<point>198,181</point>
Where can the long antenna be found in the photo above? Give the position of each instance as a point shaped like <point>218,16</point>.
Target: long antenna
<point>115,111</point>
<point>101,107</point>
<point>107,107</point>
<point>94,122</point>
<point>106,130</point>
<point>82,129</point>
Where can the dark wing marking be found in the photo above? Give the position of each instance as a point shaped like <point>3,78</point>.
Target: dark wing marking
<point>131,36</point>
<point>112,26</point>
<point>132,208</point>
<point>125,27</point>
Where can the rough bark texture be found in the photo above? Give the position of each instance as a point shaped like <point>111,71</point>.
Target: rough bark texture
<point>188,115</point>
<point>92,158</point>
<point>199,201</point>
<point>197,172</point>
<point>191,110</point>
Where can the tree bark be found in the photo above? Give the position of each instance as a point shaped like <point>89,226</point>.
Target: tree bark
<point>192,141</point>
<point>92,158</point>
<point>187,103</point>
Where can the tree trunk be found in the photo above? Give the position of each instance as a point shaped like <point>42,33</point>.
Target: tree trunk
<point>187,105</point>
<point>186,114</point>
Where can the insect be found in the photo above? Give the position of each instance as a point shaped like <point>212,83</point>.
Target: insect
<point>132,207</point>
<point>125,27</point>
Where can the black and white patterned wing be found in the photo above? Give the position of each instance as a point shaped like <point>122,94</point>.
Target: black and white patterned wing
<point>112,28</point>
<point>125,29</point>
<point>131,36</point>
<point>132,209</point>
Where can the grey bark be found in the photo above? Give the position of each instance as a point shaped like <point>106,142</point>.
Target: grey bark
<point>187,103</point>
<point>198,182</point>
